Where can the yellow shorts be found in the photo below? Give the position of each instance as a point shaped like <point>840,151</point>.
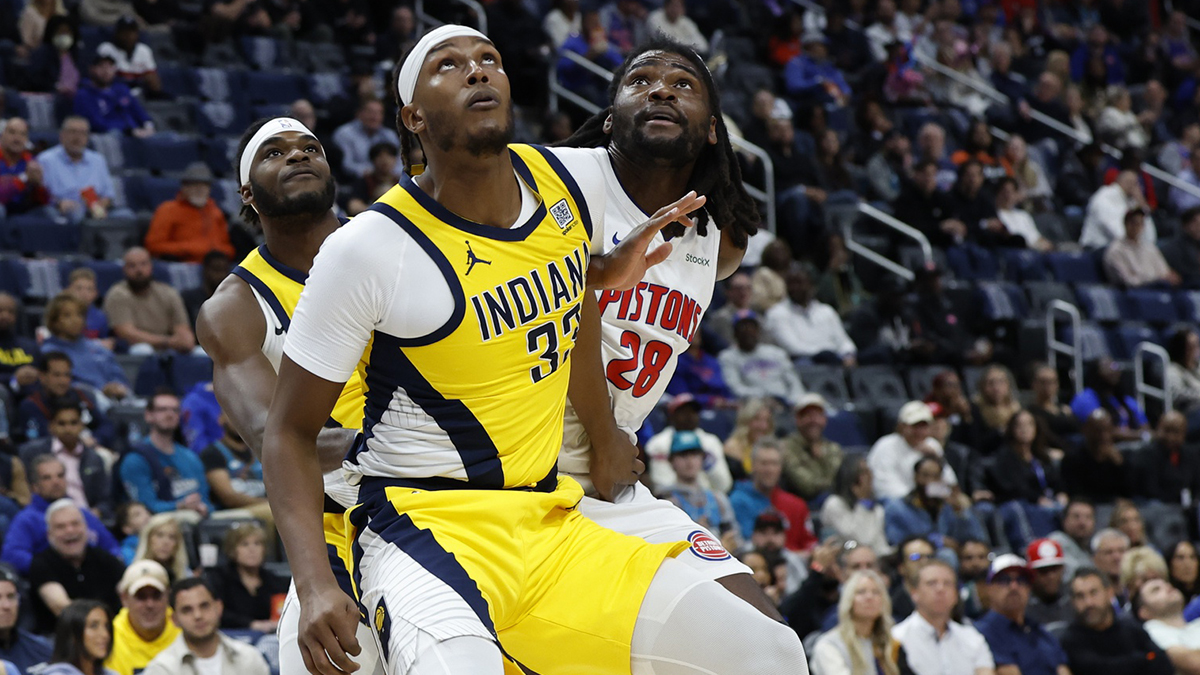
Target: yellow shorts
<point>337,547</point>
<point>559,592</point>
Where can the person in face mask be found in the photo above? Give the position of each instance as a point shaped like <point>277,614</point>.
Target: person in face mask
<point>54,66</point>
<point>934,509</point>
<point>189,226</point>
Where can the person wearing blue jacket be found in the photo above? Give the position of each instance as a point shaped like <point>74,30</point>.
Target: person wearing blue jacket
<point>931,510</point>
<point>812,77</point>
<point>109,105</point>
<point>25,651</point>
<point>162,474</point>
<point>26,536</point>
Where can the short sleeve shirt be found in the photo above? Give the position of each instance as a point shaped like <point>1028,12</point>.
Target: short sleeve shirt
<point>961,651</point>
<point>1029,647</point>
<point>159,310</point>
<point>95,579</point>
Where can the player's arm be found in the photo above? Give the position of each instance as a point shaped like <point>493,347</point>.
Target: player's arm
<point>615,462</point>
<point>624,266</point>
<point>231,329</point>
<point>729,256</point>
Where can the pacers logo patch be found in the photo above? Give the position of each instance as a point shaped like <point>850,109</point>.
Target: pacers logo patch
<point>561,212</point>
<point>383,627</point>
<point>707,548</point>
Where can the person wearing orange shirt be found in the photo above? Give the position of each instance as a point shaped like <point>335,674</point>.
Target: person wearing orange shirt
<point>189,226</point>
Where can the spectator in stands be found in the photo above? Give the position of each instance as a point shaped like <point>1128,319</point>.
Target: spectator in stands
<point>563,20</point>
<point>1105,390</point>
<point>1109,547</point>
<point>995,398</point>
<point>134,60</point>
<point>1075,537</point>
<point>1024,481</point>
<point>1174,157</point>
<point>17,352</point>
<point>933,509</point>
<point>235,475</point>
<point>973,205</point>
<point>683,414</point>
<point>248,589</point>
<point>738,291</point>
<point>978,147</point>
<point>1128,520</point>
<point>54,389</point>
<point>1097,45</point>
<point>709,508</point>
<point>22,188</point>
<point>754,369</point>
<point>625,22</point>
<point>770,538</point>
<point>1117,123</point>
<point>28,536</point>
<point>372,185</point>
<point>197,611</point>
<point>32,24</point>
<point>888,169</point>
<point>910,554</point>
<point>839,285</point>
<point>810,460</point>
<point>161,540</point>
<point>893,457</point>
<point>862,642</point>
<point>225,18</point>
<point>931,147</point>
<point>808,609</point>
<point>78,179</point>
<point>1132,261</point>
<point>1105,219</point>
<point>161,473</point>
<point>142,629</point>
<point>974,558</point>
<point>699,373</point>
<point>189,226</point>
<point>146,313</point>
<point>1160,605</point>
<point>1016,221</point>
<point>54,67</point>
<point>886,30</point>
<point>356,137</point>
<point>91,362</point>
<point>1183,569</point>
<point>851,512</point>
<point>1015,639</point>
<point>922,205</point>
<point>761,492</point>
<point>1182,200</point>
<point>109,105</point>
<point>1170,469</point>
<point>214,267</point>
<point>755,421</point>
<point>933,642</point>
<point>82,284</point>
<point>82,640</point>
<point>70,568</point>
<point>1140,565</point>
<point>592,43</point>
<point>18,646</point>
<point>88,482</point>
<point>1182,252</point>
<point>672,21</point>
<point>806,328</point>
<point>131,518</point>
<point>812,77</point>
<point>1097,470</point>
<point>1056,419</point>
<point>767,285</point>
<point>1049,604</point>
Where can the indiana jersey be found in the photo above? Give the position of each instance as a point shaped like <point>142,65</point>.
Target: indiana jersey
<point>465,330</point>
<point>645,328</point>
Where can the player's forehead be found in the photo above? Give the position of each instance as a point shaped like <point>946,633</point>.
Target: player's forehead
<point>658,59</point>
<point>287,139</point>
<point>459,44</point>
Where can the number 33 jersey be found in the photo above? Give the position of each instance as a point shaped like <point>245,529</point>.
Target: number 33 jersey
<point>646,328</point>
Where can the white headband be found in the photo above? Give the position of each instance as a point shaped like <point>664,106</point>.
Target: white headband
<point>406,84</point>
<point>271,128</point>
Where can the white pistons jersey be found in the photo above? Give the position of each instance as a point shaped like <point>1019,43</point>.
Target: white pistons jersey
<point>646,328</point>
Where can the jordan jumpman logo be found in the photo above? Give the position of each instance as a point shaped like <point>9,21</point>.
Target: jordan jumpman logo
<point>473,260</point>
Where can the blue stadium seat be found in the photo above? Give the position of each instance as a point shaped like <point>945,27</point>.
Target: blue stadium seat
<point>1188,304</point>
<point>972,263</point>
<point>107,274</point>
<point>1041,293</point>
<point>1024,264</point>
<point>1073,267</point>
<point>151,376</point>
<point>176,81</point>
<point>828,381</point>
<point>14,278</point>
<point>718,422</point>
<point>1154,306</point>
<point>38,234</point>
<point>324,87</point>
<point>274,87</point>
<point>1001,301</point>
<point>218,154</point>
<point>1124,339</point>
<point>1100,303</point>
<point>221,118</point>
<point>845,428</point>
<point>225,194</point>
<point>264,53</point>
<point>1093,343</point>
<point>39,111</point>
<point>270,110</point>
<point>187,371</point>
<point>150,191</point>
<point>218,84</point>
<point>878,385</point>
<point>164,152</point>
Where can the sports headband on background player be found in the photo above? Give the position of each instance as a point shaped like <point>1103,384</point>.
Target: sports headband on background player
<point>275,126</point>
<point>406,84</point>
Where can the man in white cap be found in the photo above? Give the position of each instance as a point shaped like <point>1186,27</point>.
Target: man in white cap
<point>892,457</point>
<point>464,288</point>
<point>141,629</point>
<point>1049,603</point>
<point>810,461</point>
<point>1014,639</point>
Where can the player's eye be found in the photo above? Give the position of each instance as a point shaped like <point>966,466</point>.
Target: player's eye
<point>639,80</point>
<point>311,148</point>
<point>489,58</point>
<point>273,152</point>
<point>446,63</point>
<point>684,83</point>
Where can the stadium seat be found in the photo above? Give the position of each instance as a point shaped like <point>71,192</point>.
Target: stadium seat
<point>1000,301</point>
<point>225,194</point>
<point>170,116</point>
<point>920,379</point>
<point>720,423</point>
<point>39,234</point>
<point>218,154</point>
<point>264,53</point>
<point>1053,227</point>
<point>845,429</point>
<point>1073,267</point>
<point>1093,343</point>
<point>878,385</point>
<point>1041,293</point>
<point>216,84</point>
<point>39,111</point>
<point>324,87</point>
<point>1100,303</point>
<point>272,87</point>
<point>972,263</point>
<point>211,533</point>
<point>1125,338</point>
<point>262,110</point>
<point>220,118</point>
<point>1023,265</point>
<point>1165,524</point>
<point>107,274</point>
<point>14,278</point>
<point>151,376</point>
<point>321,57</point>
<point>221,55</point>
<point>177,81</point>
<point>186,371</point>
<point>828,381</point>
<point>150,191</point>
<point>166,152</point>
<point>108,239</point>
<point>1153,306</point>
<point>110,145</point>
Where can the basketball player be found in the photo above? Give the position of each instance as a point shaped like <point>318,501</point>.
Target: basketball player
<point>290,194</point>
<point>465,538</point>
<point>662,135</point>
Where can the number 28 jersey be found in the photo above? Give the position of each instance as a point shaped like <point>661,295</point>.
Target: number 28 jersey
<point>644,329</point>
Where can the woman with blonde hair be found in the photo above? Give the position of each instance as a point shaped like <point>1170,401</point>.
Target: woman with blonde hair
<point>755,421</point>
<point>1141,564</point>
<point>249,591</point>
<point>862,642</point>
<point>1128,519</point>
<point>162,541</point>
<point>996,398</point>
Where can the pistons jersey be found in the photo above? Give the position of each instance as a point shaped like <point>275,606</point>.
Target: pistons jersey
<point>646,328</point>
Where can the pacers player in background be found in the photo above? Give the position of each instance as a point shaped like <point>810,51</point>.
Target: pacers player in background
<point>467,541</point>
<point>661,136</point>
<point>290,194</point>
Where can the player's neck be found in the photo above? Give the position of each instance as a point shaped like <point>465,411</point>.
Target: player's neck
<point>650,184</point>
<point>296,244</point>
<point>481,189</point>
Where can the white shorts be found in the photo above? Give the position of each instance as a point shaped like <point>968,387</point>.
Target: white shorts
<point>638,513</point>
<point>290,660</point>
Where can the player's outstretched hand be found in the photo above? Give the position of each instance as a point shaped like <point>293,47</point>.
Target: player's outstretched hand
<point>615,466</point>
<point>626,264</point>
<point>328,628</point>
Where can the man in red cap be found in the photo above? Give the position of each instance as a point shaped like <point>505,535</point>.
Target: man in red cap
<point>1048,603</point>
<point>1012,637</point>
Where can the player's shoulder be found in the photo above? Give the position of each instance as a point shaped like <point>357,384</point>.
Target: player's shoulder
<point>577,159</point>
<point>230,318</point>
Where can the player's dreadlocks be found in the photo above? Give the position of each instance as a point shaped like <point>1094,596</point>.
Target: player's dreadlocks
<point>716,174</point>
<point>408,140</point>
<point>247,212</point>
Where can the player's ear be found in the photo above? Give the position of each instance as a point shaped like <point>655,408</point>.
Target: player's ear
<point>608,124</point>
<point>712,130</point>
<point>412,119</point>
<point>247,196</point>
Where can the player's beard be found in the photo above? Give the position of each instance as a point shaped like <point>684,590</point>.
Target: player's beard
<point>312,203</point>
<point>677,152</point>
<point>482,143</point>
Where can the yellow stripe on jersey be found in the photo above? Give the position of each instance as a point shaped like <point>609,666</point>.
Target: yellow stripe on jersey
<point>495,377</point>
<point>280,286</point>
